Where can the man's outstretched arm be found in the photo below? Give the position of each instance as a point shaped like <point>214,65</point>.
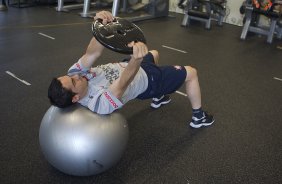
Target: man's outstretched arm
<point>95,49</point>
<point>93,52</point>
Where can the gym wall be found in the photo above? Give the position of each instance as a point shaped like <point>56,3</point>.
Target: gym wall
<point>233,15</point>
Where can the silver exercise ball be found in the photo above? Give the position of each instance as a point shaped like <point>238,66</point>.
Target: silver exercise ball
<point>79,142</point>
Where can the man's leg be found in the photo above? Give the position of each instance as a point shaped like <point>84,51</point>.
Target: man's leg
<point>199,118</point>
<point>192,87</point>
<point>164,99</point>
<point>156,56</point>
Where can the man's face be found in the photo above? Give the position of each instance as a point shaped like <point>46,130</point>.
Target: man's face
<point>76,84</point>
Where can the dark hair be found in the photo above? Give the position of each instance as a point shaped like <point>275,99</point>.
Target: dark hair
<point>58,95</point>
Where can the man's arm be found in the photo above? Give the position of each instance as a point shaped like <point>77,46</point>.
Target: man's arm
<point>120,85</point>
<point>93,52</point>
<point>95,49</point>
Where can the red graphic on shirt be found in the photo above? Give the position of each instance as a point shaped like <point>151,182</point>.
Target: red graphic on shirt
<point>110,100</point>
<point>78,66</point>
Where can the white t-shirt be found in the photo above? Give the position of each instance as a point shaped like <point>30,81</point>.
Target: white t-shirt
<point>98,98</point>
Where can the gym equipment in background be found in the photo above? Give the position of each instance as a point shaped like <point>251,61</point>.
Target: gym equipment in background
<point>253,10</point>
<point>117,34</point>
<point>152,8</point>
<point>204,11</point>
<point>79,142</point>
<point>86,6</point>
<point>3,6</point>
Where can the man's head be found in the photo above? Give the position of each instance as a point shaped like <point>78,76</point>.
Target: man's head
<point>67,90</point>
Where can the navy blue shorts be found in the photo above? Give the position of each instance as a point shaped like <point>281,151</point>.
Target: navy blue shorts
<point>162,80</point>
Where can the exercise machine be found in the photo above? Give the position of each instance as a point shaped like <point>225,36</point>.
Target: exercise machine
<point>86,6</point>
<point>204,11</point>
<point>253,10</point>
<point>152,9</point>
<point>3,6</point>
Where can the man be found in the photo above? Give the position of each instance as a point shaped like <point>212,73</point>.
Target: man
<point>106,88</point>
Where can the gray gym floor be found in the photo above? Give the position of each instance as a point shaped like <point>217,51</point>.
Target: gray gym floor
<point>240,82</point>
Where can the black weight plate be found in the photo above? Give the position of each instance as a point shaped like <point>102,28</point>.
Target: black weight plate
<point>117,34</point>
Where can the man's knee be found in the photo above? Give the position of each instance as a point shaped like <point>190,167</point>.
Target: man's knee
<point>156,56</point>
<point>191,73</point>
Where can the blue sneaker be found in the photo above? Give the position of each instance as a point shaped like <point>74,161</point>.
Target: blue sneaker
<point>206,120</point>
<point>157,102</point>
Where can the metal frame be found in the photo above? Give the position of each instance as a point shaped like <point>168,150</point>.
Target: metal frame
<point>187,19</point>
<point>4,7</point>
<point>151,14</point>
<point>263,30</point>
<point>86,6</point>
<point>190,15</point>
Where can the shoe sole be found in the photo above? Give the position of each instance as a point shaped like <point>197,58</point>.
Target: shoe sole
<point>157,106</point>
<point>200,125</point>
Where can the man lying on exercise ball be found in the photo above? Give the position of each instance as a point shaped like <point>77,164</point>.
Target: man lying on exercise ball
<point>105,88</point>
